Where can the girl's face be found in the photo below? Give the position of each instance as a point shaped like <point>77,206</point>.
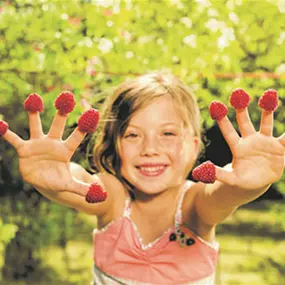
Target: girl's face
<point>156,149</point>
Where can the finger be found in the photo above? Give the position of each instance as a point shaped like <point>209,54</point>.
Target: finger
<point>35,125</point>
<point>65,104</point>
<point>225,175</point>
<point>74,140</point>
<point>13,139</point>
<point>34,105</point>
<point>57,127</point>
<point>229,132</point>
<point>266,123</point>
<point>78,187</point>
<point>245,125</point>
<point>282,139</point>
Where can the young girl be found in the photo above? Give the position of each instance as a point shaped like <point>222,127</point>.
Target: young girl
<point>155,226</point>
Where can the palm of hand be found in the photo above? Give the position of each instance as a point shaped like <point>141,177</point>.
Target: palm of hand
<point>45,162</point>
<point>258,160</point>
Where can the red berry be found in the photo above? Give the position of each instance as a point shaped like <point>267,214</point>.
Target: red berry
<point>218,110</point>
<point>88,121</point>
<point>65,102</point>
<point>95,194</point>
<point>34,103</point>
<point>239,99</point>
<point>3,128</point>
<point>269,100</point>
<point>205,172</point>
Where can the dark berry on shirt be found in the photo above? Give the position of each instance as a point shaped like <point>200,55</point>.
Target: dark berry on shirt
<point>182,235</point>
<point>172,237</point>
<point>182,241</point>
<point>190,241</point>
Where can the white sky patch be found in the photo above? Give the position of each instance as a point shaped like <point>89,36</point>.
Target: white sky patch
<point>64,16</point>
<point>186,21</point>
<point>105,45</point>
<point>227,36</point>
<point>281,68</point>
<point>281,38</point>
<point>169,24</point>
<point>175,59</point>
<point>204,3</point>
<point>145,61</point>
<point>234,17</point>
<point>190,40</point>
<point>160,41</point>
<point>129,54</point>
<point>110,24</point>
<point>145,39</point>
<point>213,12</point>
<point>281,6</point>
<point>214,25</point>
<point>88,42</point>
<point>45,7</point>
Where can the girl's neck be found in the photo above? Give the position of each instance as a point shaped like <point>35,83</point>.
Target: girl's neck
<point>145,203</point>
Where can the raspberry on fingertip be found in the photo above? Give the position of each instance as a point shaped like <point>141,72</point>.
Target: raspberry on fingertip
<point>218,110</point>
<point>269,100</point>
<point>3,128</point>
<point>34,103</point>
<point>239,99</point>
<point>88,121</point>
<point>96,194</point>
<point>65,103</point>
<point>205,172</point>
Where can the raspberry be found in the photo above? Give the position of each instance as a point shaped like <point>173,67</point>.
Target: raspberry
<point>218,110</point>
<point>34,103</point>
<point>205,172</point>
<point>95,194</point>
<point>269,100</point>
<point>65,102</point>
<point>3,128</point>
<point>88,121</point>
<point>239,99</point>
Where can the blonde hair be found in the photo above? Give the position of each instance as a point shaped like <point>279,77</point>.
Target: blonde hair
<point>127,99</point>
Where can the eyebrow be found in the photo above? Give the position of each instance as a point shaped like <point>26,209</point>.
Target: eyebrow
<point>161,125</point>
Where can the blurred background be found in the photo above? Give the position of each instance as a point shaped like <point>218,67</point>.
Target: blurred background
<point>89,47</point>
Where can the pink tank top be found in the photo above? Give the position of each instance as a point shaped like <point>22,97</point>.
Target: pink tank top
<point>177,257</point>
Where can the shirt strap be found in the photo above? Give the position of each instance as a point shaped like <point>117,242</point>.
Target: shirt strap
<point>178,214</point>
<point>127,209</point>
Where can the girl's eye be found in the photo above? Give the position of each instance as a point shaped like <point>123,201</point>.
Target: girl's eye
<point>131,135</point>
<point>168,134</point>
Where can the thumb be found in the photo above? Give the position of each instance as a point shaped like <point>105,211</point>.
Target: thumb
<point>225,175</point>
<point>93,193</point>
<point>208,173</point>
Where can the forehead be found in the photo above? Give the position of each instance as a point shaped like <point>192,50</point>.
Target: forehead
<point>160,110</point>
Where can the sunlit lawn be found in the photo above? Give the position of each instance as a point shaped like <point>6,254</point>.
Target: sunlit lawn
<point>252,253</point>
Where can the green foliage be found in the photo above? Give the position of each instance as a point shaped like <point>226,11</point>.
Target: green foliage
<point>7,232</point>
<point>90,46</point>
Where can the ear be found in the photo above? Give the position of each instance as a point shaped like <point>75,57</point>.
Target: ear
<point>196,146</point>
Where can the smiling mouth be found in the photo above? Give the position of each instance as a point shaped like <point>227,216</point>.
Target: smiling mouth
<point>151,171</point>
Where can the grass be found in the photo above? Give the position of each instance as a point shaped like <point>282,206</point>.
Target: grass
<point>252,252</point>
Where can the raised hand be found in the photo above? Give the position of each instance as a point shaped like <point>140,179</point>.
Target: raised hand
<point>44,160</point>
<point>258,157</point>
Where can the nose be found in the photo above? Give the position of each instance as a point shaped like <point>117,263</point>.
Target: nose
<point>150,146</point>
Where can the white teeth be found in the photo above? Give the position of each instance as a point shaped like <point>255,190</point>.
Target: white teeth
<point>152,168</point>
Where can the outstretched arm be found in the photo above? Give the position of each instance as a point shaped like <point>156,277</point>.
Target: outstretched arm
<point>258,161</point>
